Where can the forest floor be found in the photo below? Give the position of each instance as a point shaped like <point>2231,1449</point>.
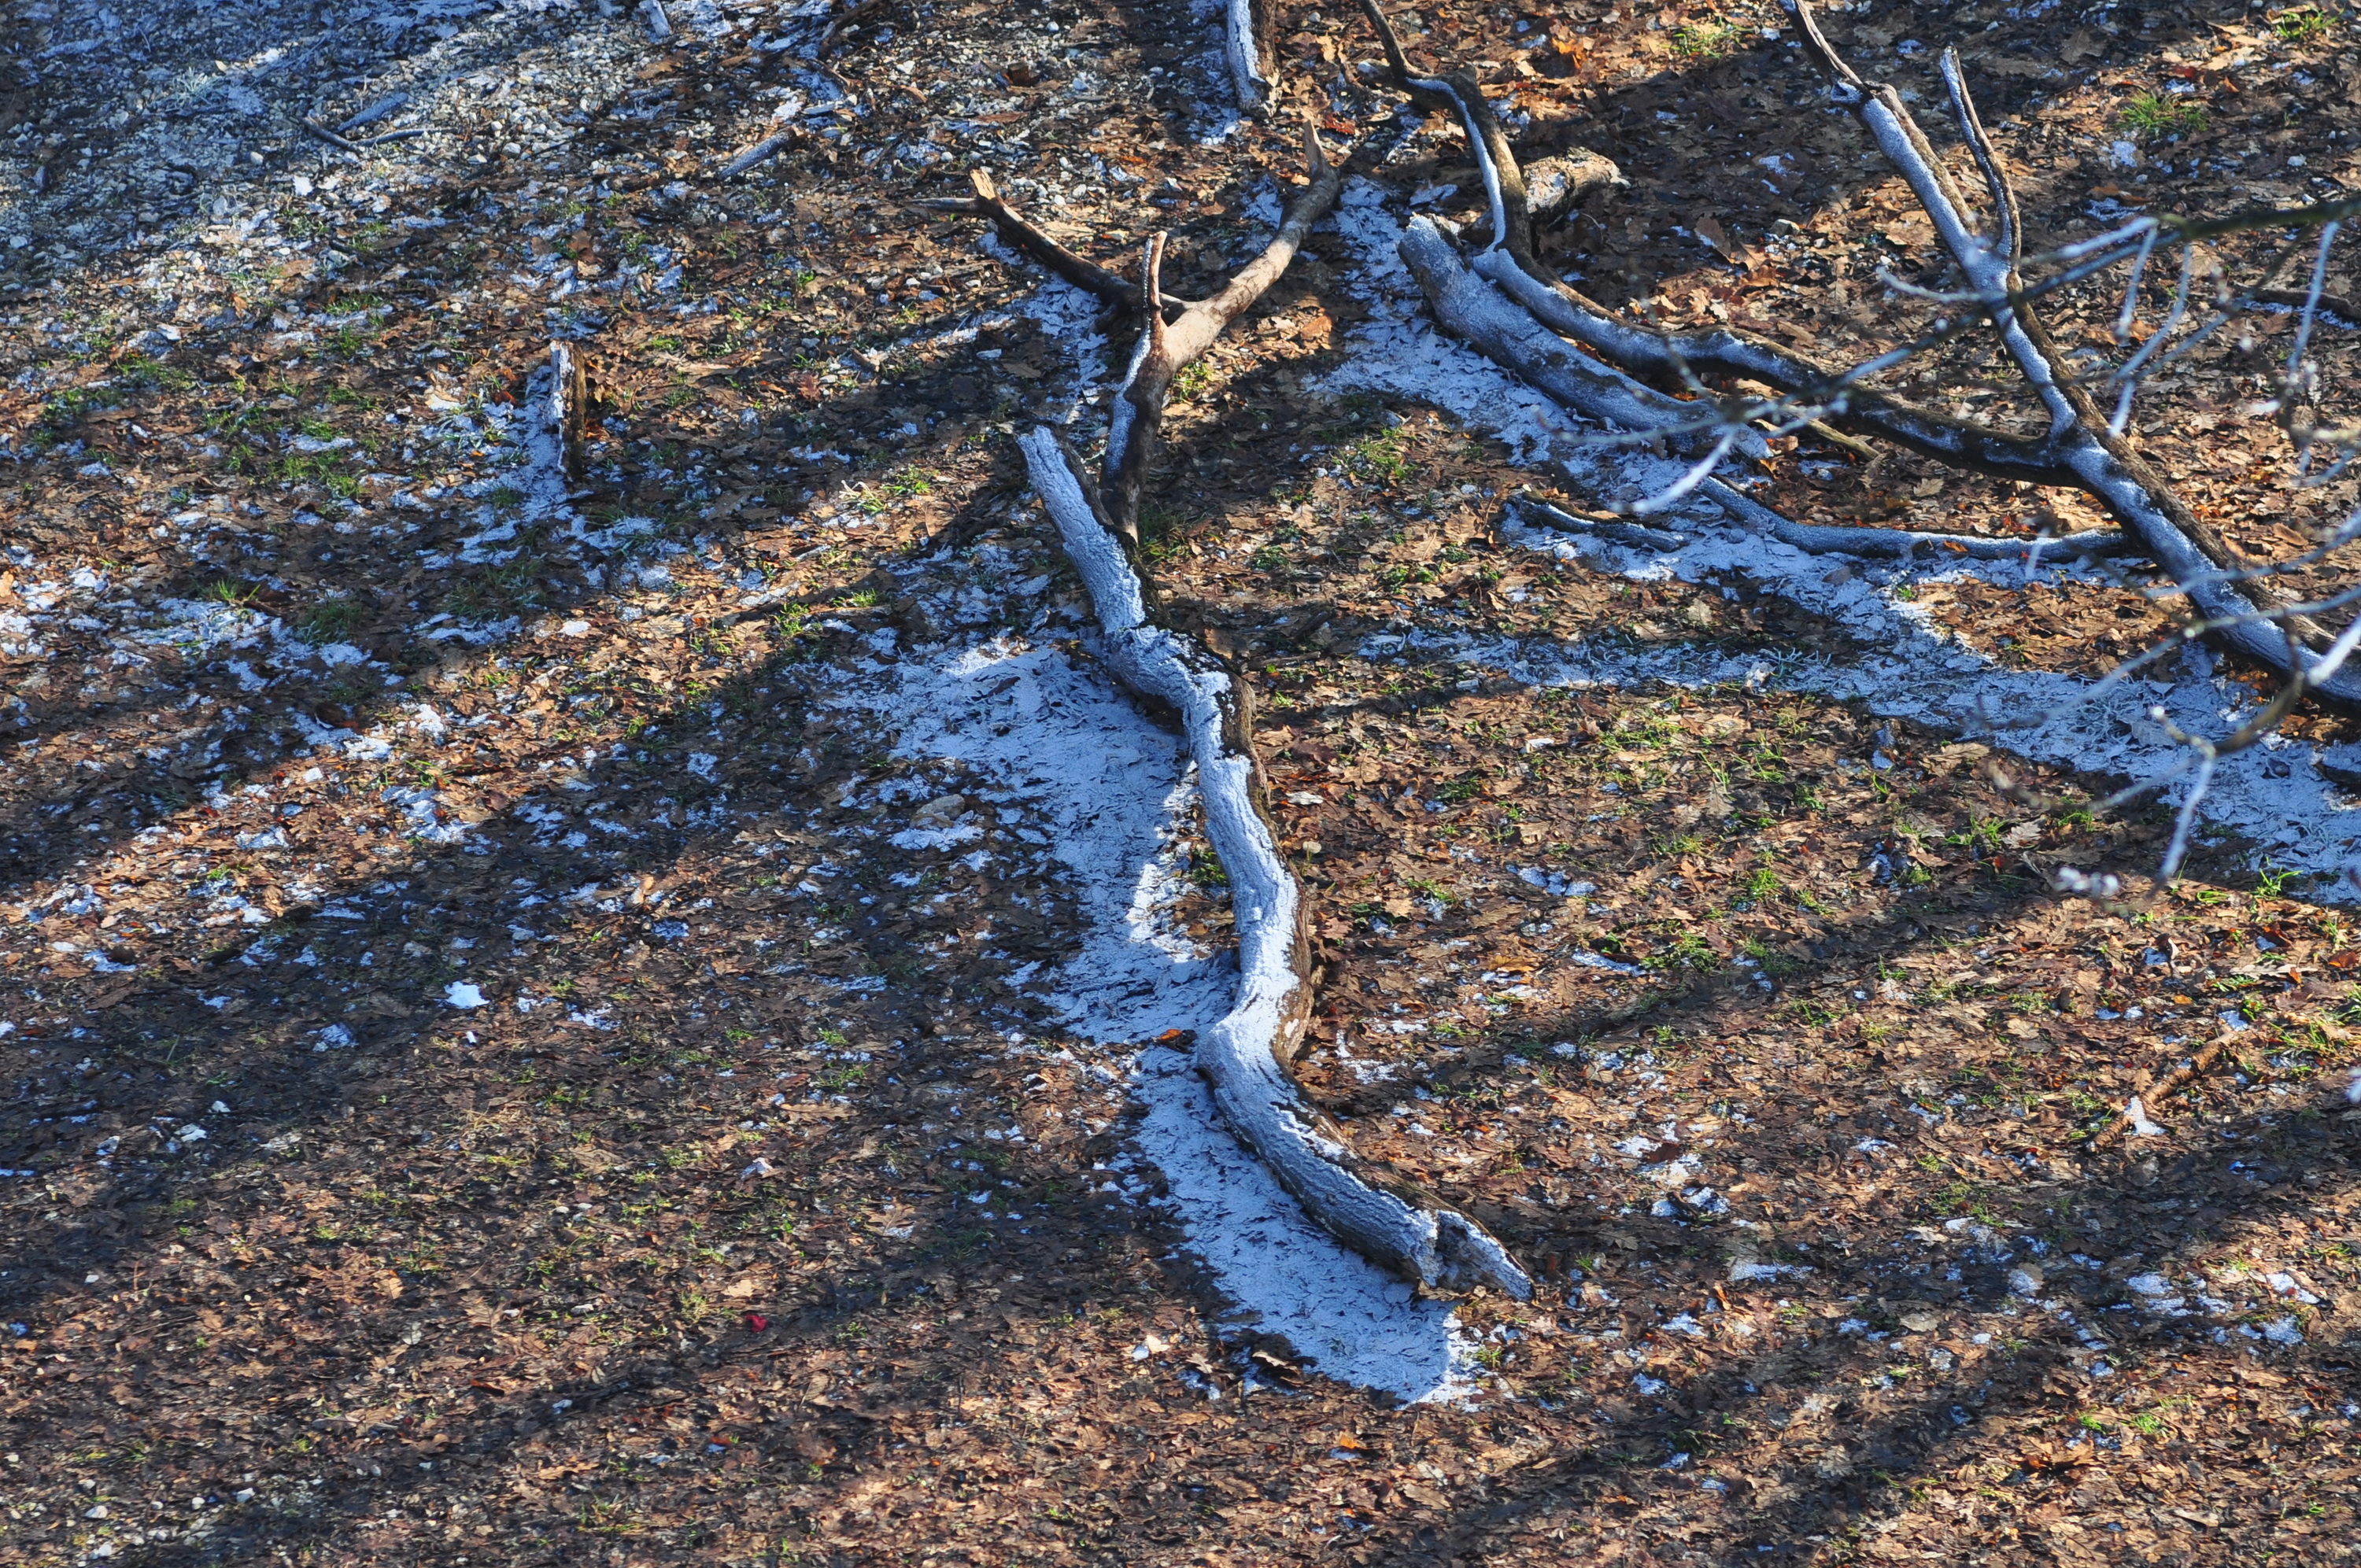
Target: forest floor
<point>628,1018</point>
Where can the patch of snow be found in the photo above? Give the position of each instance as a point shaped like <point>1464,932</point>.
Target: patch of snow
<point>1111,792</point>
<point>2275,796</point>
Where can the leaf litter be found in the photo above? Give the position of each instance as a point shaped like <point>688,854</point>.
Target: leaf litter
<point>808,1179</point>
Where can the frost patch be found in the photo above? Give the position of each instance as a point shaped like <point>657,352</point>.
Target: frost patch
<point>1110,791</point>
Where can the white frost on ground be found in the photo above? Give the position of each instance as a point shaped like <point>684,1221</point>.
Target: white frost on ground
<point>1111,792</point>
<point>2275,794</point>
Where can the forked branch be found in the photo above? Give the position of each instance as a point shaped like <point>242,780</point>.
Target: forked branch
<point>2238,610</point>
<point>2225,589</point>
<point>1016,231</point>
<point>1508,261</point>
<point>1245,1057</point>
<point>1168,343</point>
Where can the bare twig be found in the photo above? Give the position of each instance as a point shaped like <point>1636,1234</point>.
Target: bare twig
<point>1606,525</point>
<point>1905,543</point>
<point>331,137</point>
<point>2340,304</point>
<point>373,113</point>
<point>1082,273</point>
<point>2155,1092</point>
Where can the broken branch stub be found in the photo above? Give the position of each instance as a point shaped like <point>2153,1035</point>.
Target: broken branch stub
<point>569,405</point>
<point>1246,32</point>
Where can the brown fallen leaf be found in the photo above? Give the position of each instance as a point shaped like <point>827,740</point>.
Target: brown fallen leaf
<point>1709,230</point>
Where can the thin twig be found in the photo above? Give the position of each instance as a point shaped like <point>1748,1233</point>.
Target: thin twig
<point>331,137</point>
<point>2157,1089</point>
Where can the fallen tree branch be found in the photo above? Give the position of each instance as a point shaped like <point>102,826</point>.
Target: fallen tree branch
<point>1244,1057</point>
<point>370,114</point>
<point>2136,1111</point>
<point>1472,309</point>
<point>1900,543</point>
<point>1014,228</point>
<point>1166,345</point>
<point>331,137</point>
<point>2079,448</point>
<point>2219,586</point>
<point>569,405</point>
<point>758,153</point>
<point>1931,433</point>
<point>1606,525</point>
<point>1510,264</point>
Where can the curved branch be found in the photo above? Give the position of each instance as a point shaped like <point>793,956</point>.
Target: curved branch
<point>1470,308</point>
<point>1244,1057</point>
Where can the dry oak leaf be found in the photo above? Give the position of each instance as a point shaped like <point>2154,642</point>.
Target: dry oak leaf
<point>2083,43</point>
<point>1709,230</point>
<point>1909,232</point>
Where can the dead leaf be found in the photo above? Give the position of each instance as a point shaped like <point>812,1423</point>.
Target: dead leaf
<point>1909,231</point>
<point>2082,44</point>
<point>1709,230</point>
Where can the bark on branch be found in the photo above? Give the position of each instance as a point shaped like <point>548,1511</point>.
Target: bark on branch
<point>1901,543</point>
<point>1014,228</point>
<point>1510,264</point>
<point>2240,613</point>
<point>2246,614</point>
<point>1245,40</point>
<point>1168,343</point>
<point>1245,1057</point>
